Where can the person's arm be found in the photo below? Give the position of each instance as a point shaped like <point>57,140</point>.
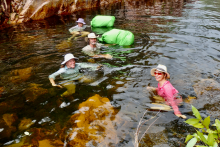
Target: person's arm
<point>107,56</point>
<point>92,66</point>
<point>171,99</point>
<point>53,76</point>
<point>152,89</point>
<point>88,52</point>
<point>53,83</point>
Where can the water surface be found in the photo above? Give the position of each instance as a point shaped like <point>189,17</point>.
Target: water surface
<point>184,36</point>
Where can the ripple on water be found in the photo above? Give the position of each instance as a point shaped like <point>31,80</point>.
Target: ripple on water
<point>184,38</point>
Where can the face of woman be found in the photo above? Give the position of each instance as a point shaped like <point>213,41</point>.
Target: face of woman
<point>70,63</point>
<point>159,76</point>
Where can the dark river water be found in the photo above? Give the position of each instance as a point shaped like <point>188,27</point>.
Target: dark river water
<point>183,35</point>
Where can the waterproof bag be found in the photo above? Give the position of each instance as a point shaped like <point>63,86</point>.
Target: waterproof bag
<point>102,30</point>
<point>103,21</point>
<point>117,36</point>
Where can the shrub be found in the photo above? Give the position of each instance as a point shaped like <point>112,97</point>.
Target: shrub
<point>204,135</point>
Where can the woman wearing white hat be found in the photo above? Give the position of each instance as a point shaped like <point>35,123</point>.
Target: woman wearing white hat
<point>165,88</point>
<point>78,29</point>
<point>71,70</point>
<point>93,48</point>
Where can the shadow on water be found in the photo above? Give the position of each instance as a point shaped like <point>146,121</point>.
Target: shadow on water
<point>183,35</point>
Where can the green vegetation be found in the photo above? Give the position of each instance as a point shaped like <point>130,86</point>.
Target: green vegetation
<point>205,136</point>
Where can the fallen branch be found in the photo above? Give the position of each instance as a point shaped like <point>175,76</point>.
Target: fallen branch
<point>139,126</point>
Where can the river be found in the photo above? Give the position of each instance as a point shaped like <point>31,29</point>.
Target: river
<point>183,35</point>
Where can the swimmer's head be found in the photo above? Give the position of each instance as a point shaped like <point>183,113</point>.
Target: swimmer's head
<point>92,38</point>
<point>160,69</point>
<point>80,22</point>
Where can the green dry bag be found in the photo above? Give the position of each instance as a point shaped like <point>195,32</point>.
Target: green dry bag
<point>117,36</point>
<point>102,30</point>
<point>103,21</point>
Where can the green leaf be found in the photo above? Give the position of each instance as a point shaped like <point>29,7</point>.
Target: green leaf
<point>210,139</point>
<point>217,124</point>
<point>202,137</point>
<point>196,113</point>
<point>195,135</point>
<point>198,125</point>
<point>188,137</point>
<point>215,136</point>
<point>215,144</point>
<point>206,137</point>
<point>206,122</point>
<point>211,131</point>
<point>192,142</point>
<point>192,121</point>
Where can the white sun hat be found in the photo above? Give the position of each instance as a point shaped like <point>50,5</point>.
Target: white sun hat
<point>92,35</point>
<point>161,68</point>
<point>81,20</point>
<point>68,57</point>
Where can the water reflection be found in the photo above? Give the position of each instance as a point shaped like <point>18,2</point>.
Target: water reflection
<point>182,35</point>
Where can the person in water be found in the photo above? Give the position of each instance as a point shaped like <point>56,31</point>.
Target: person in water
<point>72,71</point>
<point>93,48</point>
<point>165,89</point>
<point>78,29</point>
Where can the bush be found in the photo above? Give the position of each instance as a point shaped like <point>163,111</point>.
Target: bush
<point>204,135</point>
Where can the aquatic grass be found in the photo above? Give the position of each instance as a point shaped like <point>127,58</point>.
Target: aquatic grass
<point>136,144</point>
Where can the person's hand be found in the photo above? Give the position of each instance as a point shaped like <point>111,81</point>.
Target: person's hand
<point>107,56</point>
<point>151,88</point>
<point>57,85</point>
<point>180,115</point>
<point>100,67</point>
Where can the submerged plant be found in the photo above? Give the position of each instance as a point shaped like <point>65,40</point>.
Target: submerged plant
<point>204,135</point>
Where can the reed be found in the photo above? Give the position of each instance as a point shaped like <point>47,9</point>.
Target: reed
<point>141,122</point>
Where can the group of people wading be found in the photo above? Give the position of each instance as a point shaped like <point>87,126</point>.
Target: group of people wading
<point>71,70</point>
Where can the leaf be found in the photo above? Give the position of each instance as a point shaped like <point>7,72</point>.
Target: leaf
<point>215,144</point>
<point>198,125</point>
<point>206,137</point>
<point>215,136</point>
<point>217,124</point>
<point>196,113</point>
<point>202,137</point>
<point>192,142</point>
<point>192,121</point>
<point>210,139</point>
<point>211,131</point>
<point>188,137</point>
<point>206,122</point>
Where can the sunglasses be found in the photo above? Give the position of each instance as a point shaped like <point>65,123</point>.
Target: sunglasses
<point>158,73</point>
